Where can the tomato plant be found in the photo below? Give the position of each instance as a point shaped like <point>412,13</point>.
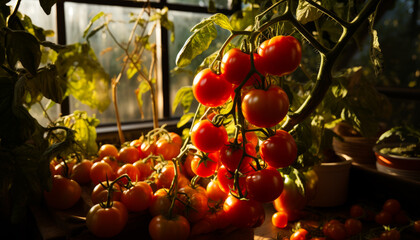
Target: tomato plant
<point>163,228</point>
<point>210,89</point>
<point>64,193</point>
<point>280,55</point>
<point>207,137</point>
<point>280,150</point>
<point>265,108</point>
<point>107,221</point>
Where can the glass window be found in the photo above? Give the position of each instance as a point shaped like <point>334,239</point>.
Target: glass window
<point>222,4</point>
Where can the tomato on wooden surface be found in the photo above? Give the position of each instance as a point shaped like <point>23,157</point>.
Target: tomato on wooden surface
<point>210,89</point>
<point>279,219</point>
<point>205,166</point>
<point>244,213</point>
<point>300,234</point>
<point>128,155</point>
<point>232,154</point>
<point>81,171</point>
<point>264,185</point>
<point>265,108</point>
<point>290,200</point>
<point>138,197</point>
<point>107,221</point>
<point>100,192</point>
<point>236,65</point>
<point>208,138</point>
<point>107,150</point>
<point>168,149</point>
<point>63,194</point>
<point>280,55</point>
<point>280,150</point>
<point>163,228</point>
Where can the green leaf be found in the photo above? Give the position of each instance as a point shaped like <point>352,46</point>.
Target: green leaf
<point>197,43</point>
<point>23,46</point>
<point>47,5</point>
<point>305,12</point>
<point>91,22</point>
<point>375,51</point>
<point>143,88</point>
<point>184,119</point>
<point>184,96</point>
<point>50,84</point>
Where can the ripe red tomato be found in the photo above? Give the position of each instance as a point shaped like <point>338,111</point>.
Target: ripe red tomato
<point>132,172</point>
<point>244,213</point>
<point>214,193</point>
<point>207,137</point>
<point>107,150</point>
<point>147,148</point>
<point>175,138</point>
<point>264,185</point>
<point>279,219</point>
<point>138,197</point>
<point>100,194</point>
<point>107,222</point>
<point>81,171</point>
<point>196,203</point>
<point>250,136</point>
<point>165,176</point>
<point>145,168</point>
<point>101,171</point>
<point>226,181</point>
<point>280,150</point>
<point>63,194</point>
<point>236,65</point>
<point>210,89</point>
<point>357,211</point>
<point>187,164</point>
<point>353,226</point>
<point>290,200</point>
<point>280,55</point>
<point>232,154</point>
<point>205,166</point>
<point>383,218</point>
<point>163,228</point>
<point>168,149</point>
<point>112,161</point>
<point>128,155</point>
<point>392,206</point>
<point>300,234</point>
<point>160,202</point>
<point>265,108</point>
<point>335,230</point>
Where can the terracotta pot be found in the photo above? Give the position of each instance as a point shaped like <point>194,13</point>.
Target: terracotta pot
<point>332,186</point>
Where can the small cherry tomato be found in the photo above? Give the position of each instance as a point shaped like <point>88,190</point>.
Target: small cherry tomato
<point>279,219</point>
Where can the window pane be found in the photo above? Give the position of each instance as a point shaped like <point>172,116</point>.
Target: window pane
<point>77,19</point>
<point>184,21</point>
<point>222,4</point>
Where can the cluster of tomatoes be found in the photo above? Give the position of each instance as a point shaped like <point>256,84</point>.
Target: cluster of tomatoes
<point>361,222</point>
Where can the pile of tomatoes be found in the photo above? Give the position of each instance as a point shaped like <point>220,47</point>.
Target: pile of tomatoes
<point>208,181</point>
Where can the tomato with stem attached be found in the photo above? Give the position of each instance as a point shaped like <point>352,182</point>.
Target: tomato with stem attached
<point>64,193</point>
<point>205,165</point>
<point>137,197</point>
<point>168,149</point>
<point>107,221</point>
<point>207,137</point>
<point>280,150</point>
<point>210,89</point>
<point>101,171</point>
<point>264,185</point>
<point>100,192</point>
<point>233,154</point>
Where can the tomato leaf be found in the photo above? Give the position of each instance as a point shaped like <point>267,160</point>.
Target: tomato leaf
<point>204,33</point>
<point>47,5</point>
<point>184,119</point>
<point>24,47</point>
<point>50,84</point>
<point>185,97</point>
<point>305,12</point>
<point>375,51</point>
<point>91,22</point>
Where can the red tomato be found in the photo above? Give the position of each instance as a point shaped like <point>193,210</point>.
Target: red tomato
<point>205,166</point>
<point>353,226</point>
<point>132,172</point>
<point>214,193</point>
<point>280,150</point>
<point>357,211</point>
<point>264,185</point>
<point>145,168</point>
<point>383,218</point>
<point>167,149</point>
<point>100,194</point>
<point>128,155</point>
<point>210,89</point>
<point>107,150</point>
<point>232,154</point>
<point>226,181</point>
<point>251,137</point>
<point>335,230</point>
<point>291,200</point>
<point>196,203</point>
<point>244,213</point>
<point>300,234</point>
<point>64,168</point>
<point>81,171</point>
<point>280,55</point>
<point>175,138</point>
<point>63,194</point>
<point>416,226</point>
<point>279,219</point>
<point>207,137</point>
<point>187,165</point>
<point>265,108</point>
<point>392,234</point>
<point>165,176</point>
<point>138,197</point>
<point>236,65</point>
<point>392,206</point>
<point>107,222</point>
<point>147,148</point>
<point>162,228</point>
<point>160,202</point>
<point>101,171</point>
<point>112,161</point>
